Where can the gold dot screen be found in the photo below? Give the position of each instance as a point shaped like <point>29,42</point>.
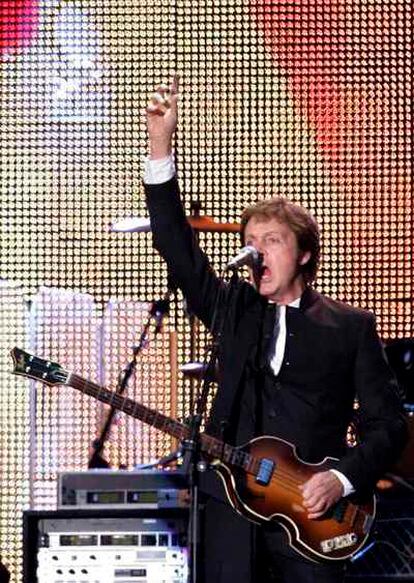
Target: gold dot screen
<point>309,99</point>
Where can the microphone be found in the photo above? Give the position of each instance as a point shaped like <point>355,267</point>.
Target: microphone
<point>249,256</point>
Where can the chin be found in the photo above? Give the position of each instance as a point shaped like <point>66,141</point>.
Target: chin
<point>266,291</point>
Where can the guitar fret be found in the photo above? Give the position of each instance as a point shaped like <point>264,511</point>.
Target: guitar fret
<point>126,405</point>
<point>227,452</point>
<point>237,457</point>
<point>113,398</point>
<point>254,465</point>
<point>213,447</point>
<point>154,416</point>
<point>134,411</point>
<point>218,449</point>
<point>172,427</point>
<point>249,461</point>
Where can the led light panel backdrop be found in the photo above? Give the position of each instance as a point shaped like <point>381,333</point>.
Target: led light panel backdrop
<point>309,99</point>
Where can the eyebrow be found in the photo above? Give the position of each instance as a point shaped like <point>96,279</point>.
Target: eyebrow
<point>272,232</point>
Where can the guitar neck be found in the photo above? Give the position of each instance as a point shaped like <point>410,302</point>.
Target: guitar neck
<point>130,407</point>
<point>212,447</point>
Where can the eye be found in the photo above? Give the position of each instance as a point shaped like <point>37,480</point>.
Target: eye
<point>273,240</point>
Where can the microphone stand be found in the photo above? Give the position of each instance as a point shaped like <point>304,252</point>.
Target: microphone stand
<point>191,447</point>
<point>158,309</point>
<point>195,208</point>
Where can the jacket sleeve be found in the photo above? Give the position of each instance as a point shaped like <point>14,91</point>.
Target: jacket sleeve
<point>382,426</point>
<point>174,239</point>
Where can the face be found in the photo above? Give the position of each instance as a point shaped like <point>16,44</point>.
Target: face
<point>280,280</point>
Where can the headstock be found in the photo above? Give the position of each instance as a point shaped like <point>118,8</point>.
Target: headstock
<point>36,368</point>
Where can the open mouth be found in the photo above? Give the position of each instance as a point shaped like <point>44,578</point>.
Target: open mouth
<point>264,272</point>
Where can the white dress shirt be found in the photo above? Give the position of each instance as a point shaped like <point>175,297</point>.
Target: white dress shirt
<point>280,337</point>
<point>162,170</point>
<point>159,171</point>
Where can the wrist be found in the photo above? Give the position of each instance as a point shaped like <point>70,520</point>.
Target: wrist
<point>159,149</point>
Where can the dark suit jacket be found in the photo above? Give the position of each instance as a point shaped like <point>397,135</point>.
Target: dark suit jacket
<point>333,356</point>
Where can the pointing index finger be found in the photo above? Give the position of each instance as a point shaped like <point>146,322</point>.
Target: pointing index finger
<point>174,85</point>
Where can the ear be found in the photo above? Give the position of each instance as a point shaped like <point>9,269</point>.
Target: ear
<point>305,257</point>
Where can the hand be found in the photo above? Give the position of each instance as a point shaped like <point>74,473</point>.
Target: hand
<point>320,492</point>
<point>162,119</point>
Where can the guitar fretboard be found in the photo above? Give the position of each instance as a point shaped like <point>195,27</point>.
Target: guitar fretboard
<point>130,407</point>
<point>212,447</point>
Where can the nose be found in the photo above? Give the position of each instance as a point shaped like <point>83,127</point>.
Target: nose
<point>261,248</point>
<point>258,246</point>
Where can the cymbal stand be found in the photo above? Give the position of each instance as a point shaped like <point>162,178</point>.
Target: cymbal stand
<point>158,309</point>
<point>195,208</point>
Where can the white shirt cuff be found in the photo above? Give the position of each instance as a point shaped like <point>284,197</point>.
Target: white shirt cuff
<point>159,171</point>
<point>348,487</point>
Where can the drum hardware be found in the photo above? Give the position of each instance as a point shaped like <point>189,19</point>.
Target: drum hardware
<point>200,223</point>
<point>193,370</point>
<point>196,370</point>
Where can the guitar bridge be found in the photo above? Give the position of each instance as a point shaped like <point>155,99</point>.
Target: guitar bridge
<point>265,471</point>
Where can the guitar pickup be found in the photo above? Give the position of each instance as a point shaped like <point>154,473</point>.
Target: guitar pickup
<point>265,472</point>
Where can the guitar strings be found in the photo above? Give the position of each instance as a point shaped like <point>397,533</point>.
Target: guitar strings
<point>291,483</point>
<point>112,398</point>
<point>282,476</point>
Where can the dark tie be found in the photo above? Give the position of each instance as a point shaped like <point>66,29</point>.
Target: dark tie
<point>274,336</point>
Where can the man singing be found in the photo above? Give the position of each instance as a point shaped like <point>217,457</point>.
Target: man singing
<point>292,363</point>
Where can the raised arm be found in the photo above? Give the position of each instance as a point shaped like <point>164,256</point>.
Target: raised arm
<point>162,120</point>
<point>172,234</point>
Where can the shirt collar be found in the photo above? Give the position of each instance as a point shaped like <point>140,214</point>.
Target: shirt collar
<point>295,303</point>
